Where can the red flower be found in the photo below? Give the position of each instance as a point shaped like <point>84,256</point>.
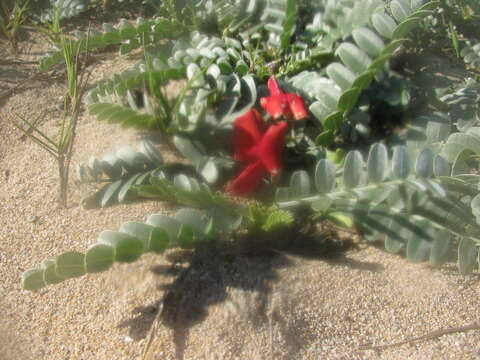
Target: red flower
<point>280,103</point>
<point>258,146</point>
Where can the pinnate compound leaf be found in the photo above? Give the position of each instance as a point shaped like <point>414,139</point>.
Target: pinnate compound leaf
<point>123,115</point>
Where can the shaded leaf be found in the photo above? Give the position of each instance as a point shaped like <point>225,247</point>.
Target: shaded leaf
<point>467,256</point>
<point>377,163</point>
<point>353,169</point>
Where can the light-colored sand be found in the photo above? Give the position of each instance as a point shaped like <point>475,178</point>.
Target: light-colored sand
<point>270,306</point>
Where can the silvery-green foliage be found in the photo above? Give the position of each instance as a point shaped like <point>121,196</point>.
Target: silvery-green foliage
<point>412,197</point>
<point>121,170</point>
<point>219,72</point>
<point>464,105</point>
<point>127,35</point>
<point>228,14</point>
<point>373,45</point>
<point>365,123</point>
<point>420,196</point>
<point>187,228</point>
<point>126,98</point>
<point>218,217</point>
<point>471,53</point>
<point>181,189</point>
<point>280,20</point>
<point>217,75</point>
<point>45,10</point>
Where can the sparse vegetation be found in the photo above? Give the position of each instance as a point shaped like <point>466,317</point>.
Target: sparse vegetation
<point>291,114</point>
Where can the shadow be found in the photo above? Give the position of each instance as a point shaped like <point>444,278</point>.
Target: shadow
<point>16,79</point>
<point>344,261</point>
<point>214,269</point>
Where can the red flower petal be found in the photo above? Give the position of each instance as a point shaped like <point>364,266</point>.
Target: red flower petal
<point>297,106</point>
<point>271,146</point>
<point>283,104</point>
<point>273,86</point>
<point>248,179</point>
<point>276,105</point>
<point>247,134</point>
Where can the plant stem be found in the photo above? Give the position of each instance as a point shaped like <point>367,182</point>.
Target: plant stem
<point>310,199</point>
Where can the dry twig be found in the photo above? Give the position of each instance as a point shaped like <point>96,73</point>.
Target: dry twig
<point>429,336</point>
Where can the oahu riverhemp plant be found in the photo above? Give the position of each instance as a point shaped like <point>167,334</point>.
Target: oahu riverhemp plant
<point>291,113</point>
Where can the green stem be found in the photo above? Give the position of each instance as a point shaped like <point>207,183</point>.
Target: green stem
<point>337,194</point>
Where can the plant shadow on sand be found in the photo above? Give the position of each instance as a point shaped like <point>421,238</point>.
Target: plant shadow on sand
<point>212,271</point>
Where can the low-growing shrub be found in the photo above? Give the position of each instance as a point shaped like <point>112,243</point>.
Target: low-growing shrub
<point>292,113</point>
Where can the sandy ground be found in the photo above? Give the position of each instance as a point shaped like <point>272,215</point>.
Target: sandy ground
<point>216,305</point>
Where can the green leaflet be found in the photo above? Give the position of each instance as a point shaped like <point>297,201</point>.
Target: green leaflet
<point>467,255</point>
<point>377,163</point>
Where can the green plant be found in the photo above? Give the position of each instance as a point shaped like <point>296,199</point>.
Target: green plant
<point>12,16</point>
<point>363,145</point>
<point>121,170</point>
<point>61,147</point>
<point>48,10</point>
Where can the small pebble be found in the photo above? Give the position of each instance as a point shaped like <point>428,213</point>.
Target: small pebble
<point>32,219</point>
<point>128,339</point>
